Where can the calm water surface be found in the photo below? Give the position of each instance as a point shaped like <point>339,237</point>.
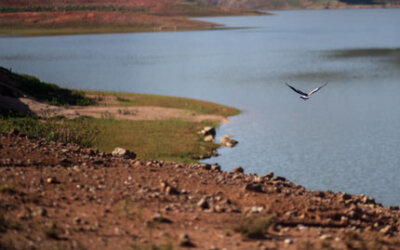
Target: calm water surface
<point>345,138</point>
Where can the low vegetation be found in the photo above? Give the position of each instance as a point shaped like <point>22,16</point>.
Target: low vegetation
<point>42,91</point>
<point>7,190</point>
<point>134,99</point>
<point>175,140</point>
<point>54,129</point>
<point>6,224</point>
<point>254,228</point>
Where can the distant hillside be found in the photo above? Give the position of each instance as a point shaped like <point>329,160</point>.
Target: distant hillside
<point>149,7</point>
<point>300,4</point>
<point>57,17</point>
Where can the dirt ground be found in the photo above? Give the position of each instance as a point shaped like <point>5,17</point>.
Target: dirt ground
<point>116,112</point>
<point>62,196</point>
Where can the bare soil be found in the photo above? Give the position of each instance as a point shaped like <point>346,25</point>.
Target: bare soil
<point>56,195</point>
<point>94,19</point>
<point>100,16</point>
<point>42,109</point>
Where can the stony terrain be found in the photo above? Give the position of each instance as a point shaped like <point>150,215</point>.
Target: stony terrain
<point>62,196</point>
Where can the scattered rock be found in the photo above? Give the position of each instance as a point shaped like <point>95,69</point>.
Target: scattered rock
<point>65,162</point>
<point>203,204</point>
<point>124,153</point>
<point>167,189</point>
<point>116,188</point>
<point>227,141</point>
<point>268,176</point>
<point>184,241</point>
<point>206,166</point>
<point>386,230</point>
<point>52,180</point>
<point>208,138</point>
<point>40,211</point>
<point>160,219</point>
<point>326,237</point>
<point>238,170</point>
<point>254,187</point>
<point>208,130</point>
<point>288,241</point>
<point>216,167</point>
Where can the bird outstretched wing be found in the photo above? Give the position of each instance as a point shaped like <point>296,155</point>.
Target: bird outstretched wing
<point>297,90</point>
<point>315,90</point>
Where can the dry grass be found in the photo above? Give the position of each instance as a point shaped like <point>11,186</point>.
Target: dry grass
<point>254,228</point>
<point>133,99</point>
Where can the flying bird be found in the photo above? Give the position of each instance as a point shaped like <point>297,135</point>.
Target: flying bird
<point>305,96</point>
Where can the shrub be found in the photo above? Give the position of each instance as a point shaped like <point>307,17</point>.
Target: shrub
<point>254,228</point>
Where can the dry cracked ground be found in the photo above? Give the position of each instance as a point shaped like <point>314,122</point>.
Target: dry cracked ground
<point>62,196</point>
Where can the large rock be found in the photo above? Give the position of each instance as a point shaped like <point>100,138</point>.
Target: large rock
<point>124,153</point>
<point>208,130</point>
<point>208,138</point>
<point>184,241</point>
<point>254,187</point>
<point>227,141</point>
<point>238,170</point>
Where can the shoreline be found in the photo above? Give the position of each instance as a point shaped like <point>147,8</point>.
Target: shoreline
<point>163,127</point>
<point>21,24</point>
<point>79,197</point>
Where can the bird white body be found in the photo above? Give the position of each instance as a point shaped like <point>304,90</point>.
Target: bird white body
<point>303,95</point>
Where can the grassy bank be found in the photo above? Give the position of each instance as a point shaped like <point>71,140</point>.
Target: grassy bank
<point>106,29</point>
<point>172,139</point>
<point>108,98</point>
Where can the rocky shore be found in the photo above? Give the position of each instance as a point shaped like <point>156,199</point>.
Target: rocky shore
<point>55,195</point>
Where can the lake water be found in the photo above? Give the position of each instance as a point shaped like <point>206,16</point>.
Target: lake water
<point>345,138</point>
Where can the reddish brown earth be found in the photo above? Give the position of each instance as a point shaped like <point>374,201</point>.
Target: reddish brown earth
<point>94,19</point>
<point>61,196</point>
<point>126,15</point>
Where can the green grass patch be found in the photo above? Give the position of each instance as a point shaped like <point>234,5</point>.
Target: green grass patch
<point>173,140</point>
<point>198,106</point>
<point>36,30</point>
<point>61,130</point>
<point>49,92</point>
